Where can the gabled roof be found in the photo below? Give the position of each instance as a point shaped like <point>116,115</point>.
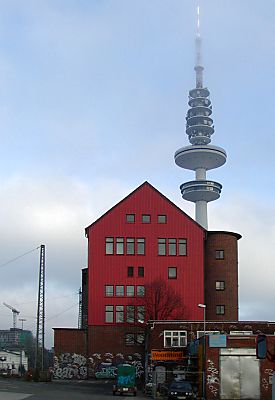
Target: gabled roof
<point>144,184</point>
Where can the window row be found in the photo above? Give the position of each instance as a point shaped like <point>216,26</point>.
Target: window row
<point>121,246</point>
<point>172,272</point>
<point>175,338</point>
<point>146,218</point>
<point>120,314</point>
<point>140,272</point>
<point>172,247</point>
<point>121,290</point>
<point>132,339</point>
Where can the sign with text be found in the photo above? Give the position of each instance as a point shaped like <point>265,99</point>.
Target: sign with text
<point>159,355</point>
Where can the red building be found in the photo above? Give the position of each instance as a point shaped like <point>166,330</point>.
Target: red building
<point>143,240</point>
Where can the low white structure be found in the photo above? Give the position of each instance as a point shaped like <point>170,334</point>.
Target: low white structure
<point>11,360</point>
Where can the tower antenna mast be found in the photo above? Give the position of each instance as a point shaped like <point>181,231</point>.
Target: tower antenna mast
<point>201,156</point>
<point>40,324</point>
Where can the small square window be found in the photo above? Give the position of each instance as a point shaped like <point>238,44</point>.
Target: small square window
<point>109,313</point>
<point>140,338</point>
<point>130,314</point>
<point>172,247</point>
<point>141,246</point>
<point>109,245</point>
<point>140,314</point>
<point>119,313</point>
<point>162,219</point>
<point>130,339</point>
<point>141,272</point>
<point>119,245</point>
<point>130,217</point>
<point>140,291</point>
<point>220,309</point>
<point>220,285</point>
<point>172,272</point>
<point>109,290</point>
<point>130,272</point>
<point>146,218</point>
<point>219,254</point>
<point>130,246</point>
<point>161,247</point>
<point>130,290</point>
<point>119,290</point>
<point>182,247</point>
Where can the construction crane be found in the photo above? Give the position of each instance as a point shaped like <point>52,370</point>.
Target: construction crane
<point>14,314</point>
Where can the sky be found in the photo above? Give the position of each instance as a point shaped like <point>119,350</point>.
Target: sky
<point>93,99</point>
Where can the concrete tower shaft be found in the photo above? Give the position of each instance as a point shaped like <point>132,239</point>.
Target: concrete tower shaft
<point>200,156</point>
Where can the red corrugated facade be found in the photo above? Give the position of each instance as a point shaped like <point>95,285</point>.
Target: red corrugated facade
<point>112,269</point>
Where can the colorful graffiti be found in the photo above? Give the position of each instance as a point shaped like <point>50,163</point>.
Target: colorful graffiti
<point>76,366</point>
<point>105,365</point>
<point>212,378</point>
<point>70,366</point>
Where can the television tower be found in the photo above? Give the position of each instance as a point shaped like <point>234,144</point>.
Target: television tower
<point>200,156</point>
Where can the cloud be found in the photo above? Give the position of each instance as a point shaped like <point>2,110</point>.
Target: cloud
<point>54,212</point>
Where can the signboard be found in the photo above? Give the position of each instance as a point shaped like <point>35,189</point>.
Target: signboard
<point>159,355</point>
<point>217,340</point>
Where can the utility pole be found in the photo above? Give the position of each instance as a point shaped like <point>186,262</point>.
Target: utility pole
<point>40,327</point>
<point>79,309</point>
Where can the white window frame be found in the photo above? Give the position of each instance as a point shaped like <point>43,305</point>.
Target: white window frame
<point>201,333</point>
<point>174,338</point>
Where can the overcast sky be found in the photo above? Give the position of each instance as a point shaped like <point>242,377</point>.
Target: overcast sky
<point>93,98</point>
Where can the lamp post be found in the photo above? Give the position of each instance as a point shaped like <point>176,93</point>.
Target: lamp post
<point>204,347</point>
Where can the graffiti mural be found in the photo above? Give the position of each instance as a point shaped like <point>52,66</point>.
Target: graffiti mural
<point>101,366</point>
<point>70,366</point>
<point>105,365</point>
<point>212,378</point>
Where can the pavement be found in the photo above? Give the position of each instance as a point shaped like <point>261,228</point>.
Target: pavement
<point>16,389</point>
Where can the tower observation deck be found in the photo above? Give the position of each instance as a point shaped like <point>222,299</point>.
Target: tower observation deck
<point>200,156</point>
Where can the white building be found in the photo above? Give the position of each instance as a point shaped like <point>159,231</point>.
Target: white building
<point>11,360</point>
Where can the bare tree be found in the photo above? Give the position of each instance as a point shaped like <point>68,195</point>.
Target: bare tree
<point>162,302</point>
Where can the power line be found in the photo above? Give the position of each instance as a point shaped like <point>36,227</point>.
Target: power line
<point>62,312</point>
<point>16,258</point>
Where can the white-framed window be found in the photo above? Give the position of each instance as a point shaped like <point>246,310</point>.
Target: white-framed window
<point>241,333</point>
<point>201,333</point>
<point>175,338</point>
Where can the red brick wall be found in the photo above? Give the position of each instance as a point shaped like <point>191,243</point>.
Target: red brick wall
<point>221,270</point>
<point>111,339</point>
<point>69,341</point>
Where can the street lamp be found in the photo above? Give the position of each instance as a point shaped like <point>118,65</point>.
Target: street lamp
<point>204,345</point>
<point>204,310</point>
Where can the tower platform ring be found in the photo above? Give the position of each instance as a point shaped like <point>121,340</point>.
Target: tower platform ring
<point>200,156</point>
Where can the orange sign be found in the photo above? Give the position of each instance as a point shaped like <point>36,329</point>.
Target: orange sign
<point>158,355</point>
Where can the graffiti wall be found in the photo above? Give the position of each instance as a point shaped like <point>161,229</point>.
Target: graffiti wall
<point>76,366</point>
<point>70,366</point>
<point>212,378</point>
<point>105,365</point>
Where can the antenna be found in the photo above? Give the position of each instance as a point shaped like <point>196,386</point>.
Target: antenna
<point>198,19</point>
<point>198,62</point>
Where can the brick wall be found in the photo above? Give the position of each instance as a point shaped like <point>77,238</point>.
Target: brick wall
<point>221,270</point>
<point>69,341</point>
